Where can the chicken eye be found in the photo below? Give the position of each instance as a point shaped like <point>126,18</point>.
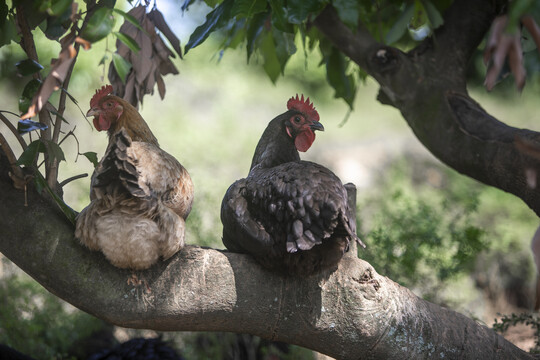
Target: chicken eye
<point>297,119</point>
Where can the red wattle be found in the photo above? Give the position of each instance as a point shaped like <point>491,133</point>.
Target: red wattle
<point>304,140</point>
<point>101,123</point>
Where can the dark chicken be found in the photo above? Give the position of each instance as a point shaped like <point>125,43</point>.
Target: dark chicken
<point>140,195</point>
<point>291,215</point>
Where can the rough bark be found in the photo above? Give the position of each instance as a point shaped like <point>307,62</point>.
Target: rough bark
<point>428,86</point>
<point>350,313</point>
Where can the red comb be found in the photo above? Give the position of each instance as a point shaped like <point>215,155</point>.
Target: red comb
<point>303,106</point>
<point>104,91</point>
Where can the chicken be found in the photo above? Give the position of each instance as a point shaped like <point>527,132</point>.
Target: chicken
<point>140,195</point>
<point>291,215</point>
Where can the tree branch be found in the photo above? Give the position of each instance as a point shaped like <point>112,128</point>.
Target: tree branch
<point>428,86</point>
<point>350,313</point>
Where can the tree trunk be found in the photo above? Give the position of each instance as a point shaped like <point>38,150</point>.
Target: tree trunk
<point>428,86</point>
<point>349,313</point>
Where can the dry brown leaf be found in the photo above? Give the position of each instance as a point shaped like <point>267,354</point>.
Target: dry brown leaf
<point>150,62</point>
<point>501,46</point>
<point>53,81</point>
<point>161,24</point>
<point>160,85</point>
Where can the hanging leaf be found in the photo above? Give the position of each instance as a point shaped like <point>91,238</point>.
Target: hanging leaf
<point>348,11</point>
<point>122,66</point>
<point>247,8</point>
<point>129,18</point>
<point>99,26</point>
<point>8,30</point>
<point>336,72</point>
<point>214,20</point>
<point>161,24</point>
<point>433,14</point>
<point>254,29</point>
<point>55,7</point>
<point>271,62</point>
<point>30,89</point>
<point>29,155</point>
<point>55,151</point>
<point>28,67</point>
<point>298,10</point>
<point>128,41</point>
<point>56,113</point>
<point>279,16</point>
<point>25,126</point>
<point>400,26</point>
<point>92,157</point>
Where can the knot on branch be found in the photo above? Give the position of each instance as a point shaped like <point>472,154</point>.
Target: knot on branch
<point>385,60</point>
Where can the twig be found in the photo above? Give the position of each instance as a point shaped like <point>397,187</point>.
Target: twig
<point>10,126</point>
<point>68,180</point>
<point>17,174</point>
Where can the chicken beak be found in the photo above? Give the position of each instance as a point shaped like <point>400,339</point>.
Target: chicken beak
<point>316,126</point>
<point>92,112</point>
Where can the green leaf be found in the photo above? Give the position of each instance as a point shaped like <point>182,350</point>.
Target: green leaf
<point>121,65</point>
<point>92,157</point>
<point>27,125</point>
<point>8,31</point>
<point>235,34</point>
<point>348,11</point>
<point>41,184</point>
<point>129,41</point>
<point>285,47</point>
<point>29,155</point>
<point>99,26</point>
<point>131,19</point>
<point>279,17</point>
<point>4,10</point>
<point>254,29</point>
<point>247,8</point>
<point>56,7</point>
<point>30,89</point>
<point>55,151</point>
<point>28,67</point>
<point>518,8</point>
<point>56,113</point>
<point>336,72</point>
<point>433,14</point>
<point>400,26</point>
<point>271,62</point>
<point>298,10</point>
<point>214,20</point>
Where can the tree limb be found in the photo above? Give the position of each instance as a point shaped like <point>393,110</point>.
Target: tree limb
<point>350,313</point>
<point>428,86</point>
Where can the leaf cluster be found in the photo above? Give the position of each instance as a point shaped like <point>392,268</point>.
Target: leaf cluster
<point>532,320</point>
<point>35,322</point>
<point>274,29</point>
<point>420,235</point>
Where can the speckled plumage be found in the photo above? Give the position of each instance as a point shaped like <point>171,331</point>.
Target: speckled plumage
<point>140,197</point>
<point>291,215</point>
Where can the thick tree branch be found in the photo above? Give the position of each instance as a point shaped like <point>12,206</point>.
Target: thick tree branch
<point>428,86</point>
<point>348,314</point>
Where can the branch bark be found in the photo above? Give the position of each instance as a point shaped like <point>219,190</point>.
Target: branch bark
<point>350,313</point>
<point>428,86</point>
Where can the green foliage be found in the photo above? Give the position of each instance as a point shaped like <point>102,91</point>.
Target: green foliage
<point>99,25</point>
<point>269,28</point>
<point>420,236</point>
<point>532,320</point>
<point>37,323</point>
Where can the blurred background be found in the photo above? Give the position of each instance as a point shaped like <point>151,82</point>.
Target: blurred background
<point>448,238</point>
